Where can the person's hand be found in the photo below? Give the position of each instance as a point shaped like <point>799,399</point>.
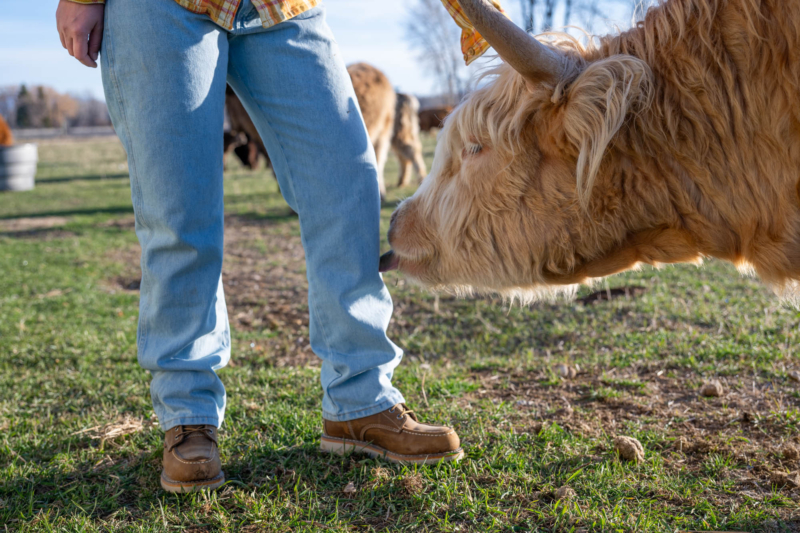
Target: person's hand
<point>80,27</point>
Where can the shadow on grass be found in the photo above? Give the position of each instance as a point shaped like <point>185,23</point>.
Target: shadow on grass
<point>92,490</point>
<point>42,234</point>
<point>297,483</point>
<point>72,212</point>
<point>280,214</point>
<point>91,177</point>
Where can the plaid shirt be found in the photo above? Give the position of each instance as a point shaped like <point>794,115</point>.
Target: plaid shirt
<point>274,11</point>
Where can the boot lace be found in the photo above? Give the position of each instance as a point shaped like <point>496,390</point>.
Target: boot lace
<point>403,411</point>
<point>187,431</point>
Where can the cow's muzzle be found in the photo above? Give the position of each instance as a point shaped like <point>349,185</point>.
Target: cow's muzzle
<point>389,261</point>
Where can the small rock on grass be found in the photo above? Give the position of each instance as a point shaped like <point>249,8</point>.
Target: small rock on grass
<point>413,483</point>
<point>629,449</point>
<point>791,453</point>
<point>794,375</point>
<point>712,389</point>
<point>564,412</point>
<point>565,493</point>
<point>565,371</point>
<point>780,479</point>
<point>349,488</point>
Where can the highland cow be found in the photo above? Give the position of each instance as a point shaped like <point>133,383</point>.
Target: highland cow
<point>243,138</point>
<point>674,141</point>
<point>406,143</point>
<point>377,101</point>
<point>391,121</point>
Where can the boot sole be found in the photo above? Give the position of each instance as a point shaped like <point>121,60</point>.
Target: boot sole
<point>192,486</point>
<point>341,446</point>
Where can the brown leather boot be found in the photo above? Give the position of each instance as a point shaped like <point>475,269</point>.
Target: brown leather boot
<point>395,435</point>
<point>191,459</point>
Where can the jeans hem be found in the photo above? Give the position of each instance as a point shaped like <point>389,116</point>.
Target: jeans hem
<point>391,401</point>
<point>190,421</point>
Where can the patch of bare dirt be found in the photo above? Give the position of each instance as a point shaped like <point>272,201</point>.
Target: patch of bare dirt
<point>123,223</point>
<point>31,223</point>
<point>47,228</point>
<point>265,285</point>
<point>606,295</point>
<point>748,423</point>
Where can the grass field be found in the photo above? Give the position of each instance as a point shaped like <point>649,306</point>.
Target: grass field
<point>80,448</point>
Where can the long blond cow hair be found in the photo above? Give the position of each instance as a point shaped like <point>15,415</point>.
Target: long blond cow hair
<point>701,101</point>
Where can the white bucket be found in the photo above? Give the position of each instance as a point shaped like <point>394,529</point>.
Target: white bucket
<point>18,167</point>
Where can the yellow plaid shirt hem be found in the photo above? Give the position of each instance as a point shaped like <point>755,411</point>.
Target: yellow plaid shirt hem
<point>275,11</point>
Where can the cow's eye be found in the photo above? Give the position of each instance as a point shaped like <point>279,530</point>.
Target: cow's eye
<point>473,149</point>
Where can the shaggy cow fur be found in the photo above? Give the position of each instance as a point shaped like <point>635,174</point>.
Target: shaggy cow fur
<point>674,141</point>
<point>405,139</point>
<point>6,139</point>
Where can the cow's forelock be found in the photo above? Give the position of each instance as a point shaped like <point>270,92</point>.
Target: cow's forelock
<point>472,209</point>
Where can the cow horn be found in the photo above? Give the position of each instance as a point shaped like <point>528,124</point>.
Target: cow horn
<point>534,60</point>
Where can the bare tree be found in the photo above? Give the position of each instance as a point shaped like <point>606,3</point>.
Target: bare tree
<point>529,15</point>
<point>91,112</point>
<point>432,33</point>
<point>544,15</point>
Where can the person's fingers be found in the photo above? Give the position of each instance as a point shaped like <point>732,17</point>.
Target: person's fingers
<point>95,40</point>
<point>80,45</point>
<point>69,45</point>
<point>80,29</point>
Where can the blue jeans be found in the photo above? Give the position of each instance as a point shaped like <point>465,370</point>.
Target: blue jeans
<point>164,73</point>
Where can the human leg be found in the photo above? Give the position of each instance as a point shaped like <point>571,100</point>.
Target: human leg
<point>164,77</point>
<point>294,86</point>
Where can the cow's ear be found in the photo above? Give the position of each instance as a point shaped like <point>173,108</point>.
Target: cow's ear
<point>597,105</point>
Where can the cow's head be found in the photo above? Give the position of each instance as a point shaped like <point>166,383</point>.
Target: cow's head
<point>509,203</point>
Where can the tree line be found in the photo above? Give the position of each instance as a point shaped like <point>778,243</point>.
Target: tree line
<point>43,107</point>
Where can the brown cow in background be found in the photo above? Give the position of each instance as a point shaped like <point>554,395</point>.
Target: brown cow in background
<point>405,140</point>
<point>243,138</point>
<point>6,139</point>
<point>432,117</point>
<point>391,119</point>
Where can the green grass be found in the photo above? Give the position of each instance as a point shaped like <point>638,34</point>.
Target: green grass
<point>69,383</point>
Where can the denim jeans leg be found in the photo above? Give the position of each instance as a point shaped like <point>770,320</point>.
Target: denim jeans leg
<point>293,83</point>
<point>164,71</point>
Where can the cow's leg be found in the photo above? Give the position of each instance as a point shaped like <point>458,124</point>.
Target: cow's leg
<point>293,83</point>
<point>419,163</point>
<point>228,144</point>
<point>252,155</point>
<point>410,158</point>
<point>406,171</point>
<point>163,72</point>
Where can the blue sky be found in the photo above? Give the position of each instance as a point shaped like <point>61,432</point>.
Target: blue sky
<point>366,30</point>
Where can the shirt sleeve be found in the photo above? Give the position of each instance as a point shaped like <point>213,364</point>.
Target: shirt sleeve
<point>473,45</point>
